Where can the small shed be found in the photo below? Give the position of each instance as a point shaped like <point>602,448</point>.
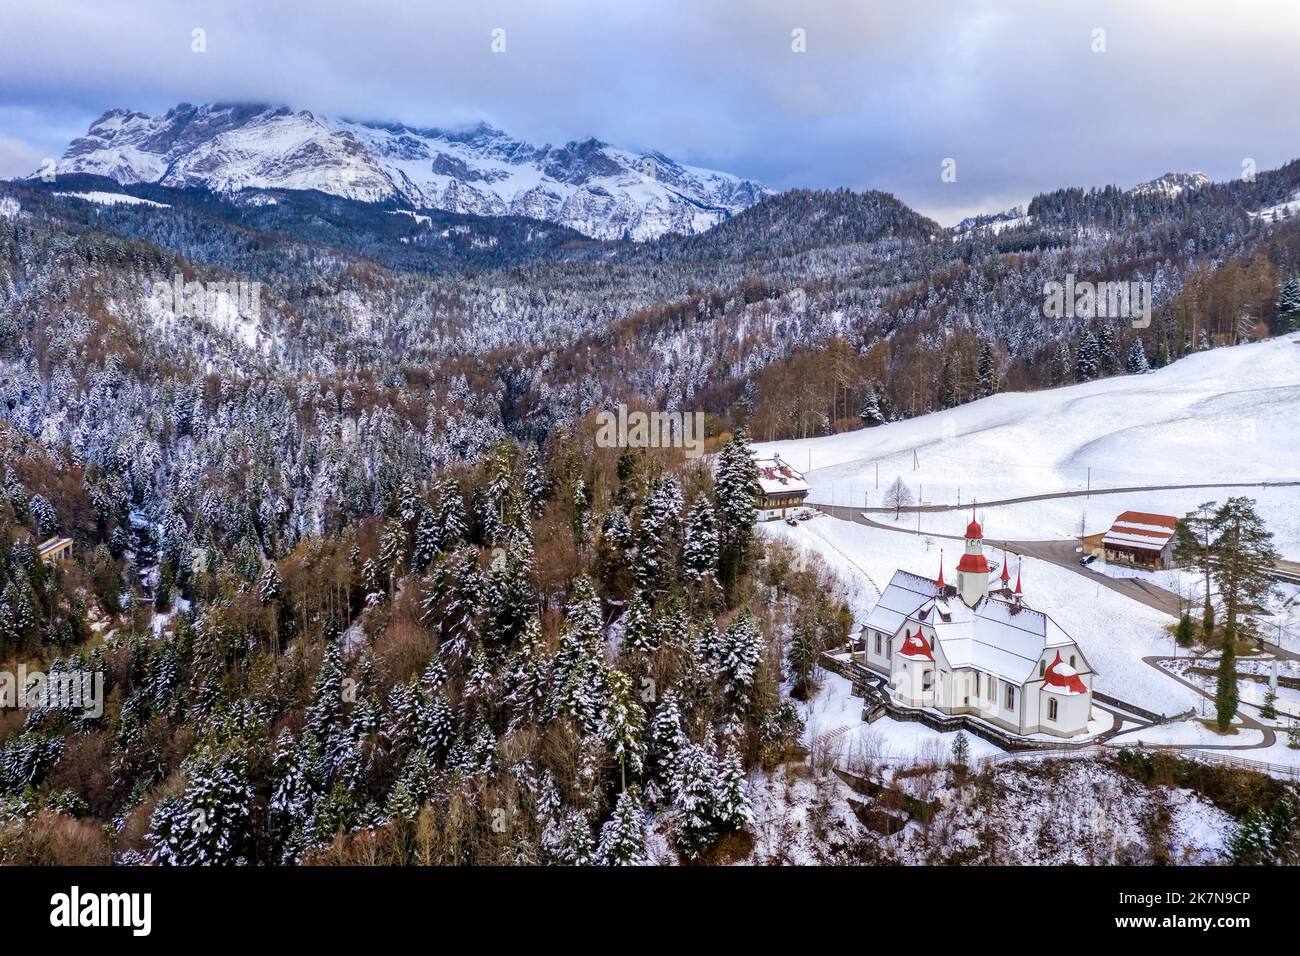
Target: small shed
<point>1142,539</point>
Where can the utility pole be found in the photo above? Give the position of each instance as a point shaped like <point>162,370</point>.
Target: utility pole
<point>1089,494</point>
<point>877,476</point>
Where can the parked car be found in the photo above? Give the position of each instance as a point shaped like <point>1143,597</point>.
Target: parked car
<point>1087,559</point>
<point>792,521</point>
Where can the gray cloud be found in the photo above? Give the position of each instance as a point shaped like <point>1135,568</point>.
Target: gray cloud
<point>1012,91</point>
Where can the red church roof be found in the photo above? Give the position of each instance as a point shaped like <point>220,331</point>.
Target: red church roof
<point>1061,678</point>
<point>1006,572</point>
<point>917,647</point>
<point>973,563</point>
<point>973,530</point>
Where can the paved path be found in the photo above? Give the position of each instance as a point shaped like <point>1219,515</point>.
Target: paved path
<point>1081,493</point>
<point>1248,722</point>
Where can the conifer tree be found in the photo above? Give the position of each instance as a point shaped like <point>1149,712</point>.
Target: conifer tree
<point>695,800</point>
<point>622,838</point>
<point>208,822</point>
<point>428,540</point>
<point>1087,361</point>
<point>871,412</point>
<point>733,808</point>
<point>700,546</point>
<point>622,725</point>
<point>666,739</point>
<point>740,647</point>
<point>736,492</point>
<point>1288,308</point>
<point>639,633</point>
<point>534,481</point>
<point>1242,559</point>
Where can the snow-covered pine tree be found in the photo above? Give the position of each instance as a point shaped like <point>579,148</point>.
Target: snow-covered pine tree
<point>292,801</point>
<point>1288,308</point>
<point>622,838</point>
<point>666,740</point>
<point>47,519</point>
<point>987,370</point>
<point>1137,359</point>
<point>695,800</point>
<point>1062,371</point>
<point>740,647</point>
<point>639,632</point>
<point>451,515</point>
<point>700,544</point>
<point>428,540</point>
<point>209,821</point>
<point>1108,359</point>
<point>1087,361</point>
<point>733,807</point>
<point>528,677</point>
<point>581,508</point>
<point>534,481</point>
<point>622,725</point>
<point>269,588</point>
<point>871,412</point>
<point>735,494</point>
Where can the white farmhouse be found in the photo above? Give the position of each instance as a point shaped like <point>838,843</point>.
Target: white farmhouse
<point>964,650</point>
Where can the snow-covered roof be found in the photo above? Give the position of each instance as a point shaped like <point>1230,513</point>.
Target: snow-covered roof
<point>997,636</point>
<point>776,477</point>
<point>903,595</point>
<point>1139,529</point>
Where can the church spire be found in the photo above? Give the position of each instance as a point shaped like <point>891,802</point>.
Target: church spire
<point>1019,593</point>
<point>940,582</point>
<point>1006,571</point>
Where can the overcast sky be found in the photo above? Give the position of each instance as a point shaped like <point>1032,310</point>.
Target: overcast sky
<point>1016,93</point>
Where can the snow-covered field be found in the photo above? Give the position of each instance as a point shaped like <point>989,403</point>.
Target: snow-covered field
<point>113,199</point>
<point>1223,415</point>
<point>1114,631</point>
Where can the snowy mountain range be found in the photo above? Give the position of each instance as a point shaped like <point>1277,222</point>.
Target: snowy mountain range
<point>597,189</point>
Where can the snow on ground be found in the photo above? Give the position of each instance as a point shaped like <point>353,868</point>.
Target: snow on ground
<point>1067,812</point>
<point>113,199</point>
<point>800,817</point>
<point>421,219</point>
<point>1114,631</point>
<point>1222,415</point>
<point>1251,693</point>
<point>9,207</point>
<point>1191,732</point>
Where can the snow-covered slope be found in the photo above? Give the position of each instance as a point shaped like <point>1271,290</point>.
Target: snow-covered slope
<point>1223,415</point>
<point>1171,185</point>
<point>590,186</point>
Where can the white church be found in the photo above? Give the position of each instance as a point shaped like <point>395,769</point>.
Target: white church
<point>971,650</point>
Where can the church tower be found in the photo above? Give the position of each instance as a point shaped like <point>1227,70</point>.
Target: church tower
<point>973,568</point>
